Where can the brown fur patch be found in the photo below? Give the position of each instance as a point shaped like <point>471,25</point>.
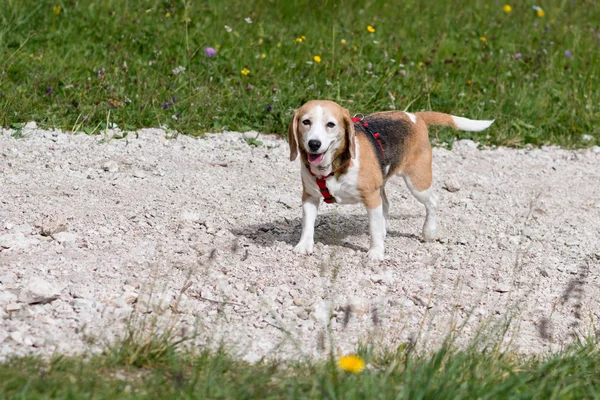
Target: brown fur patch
<point>370,177</point>
<point>436,118</point>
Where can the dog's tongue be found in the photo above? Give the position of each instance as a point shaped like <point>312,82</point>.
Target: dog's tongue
<point>315,158</point>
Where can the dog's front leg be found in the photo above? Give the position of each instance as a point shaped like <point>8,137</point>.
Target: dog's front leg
<point>310,207</point>
<point>376,226</point>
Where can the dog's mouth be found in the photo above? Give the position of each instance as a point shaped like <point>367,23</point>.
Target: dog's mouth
<point>315,159</point>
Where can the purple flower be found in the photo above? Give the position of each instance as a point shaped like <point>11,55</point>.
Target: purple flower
<point>209,51</point>
<point>250,86</point>
<point>49,90</point>
<point>518,55</point>
<point>568,53</point>
<point>269,107</point>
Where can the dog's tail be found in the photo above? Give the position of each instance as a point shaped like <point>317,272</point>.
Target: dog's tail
<point>463,124</point>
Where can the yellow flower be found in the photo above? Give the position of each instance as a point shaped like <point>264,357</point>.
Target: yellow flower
<point>263,56</point>
<point>343,42</point>
<point>57,10</point>
<point>352,363</point>
<point>299,40</point>
<point>507,8</point>
<point>245,71</point>
<point>303,37</point>
<point>168,15</point>
<point>483,39</point>
<point>317,59</point>
<point>540,13</point>
<point>370,28</point>
<point>279,44</point>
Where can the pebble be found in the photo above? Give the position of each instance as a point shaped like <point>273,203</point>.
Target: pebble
<point>13,307</point>
<point>503,288</point>
<point>139,174</point>
<point>38,290</point>
<point>110,166</point>
<point>451,186</point>
<point>65,237</point>
<point>51,226</point>
<point>31,125</point>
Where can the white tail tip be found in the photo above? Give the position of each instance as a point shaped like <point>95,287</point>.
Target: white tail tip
<point>471,125</point>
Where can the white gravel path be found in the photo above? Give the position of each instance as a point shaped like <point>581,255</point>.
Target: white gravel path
<point>93,230</point>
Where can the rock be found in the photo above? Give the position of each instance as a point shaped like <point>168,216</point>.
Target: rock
<point>25,229</point>
<point>189,216</point>
<point>65,237</point>
<point>302,314</point>
<point>139,174</point>
<point>52,226</point>
<point>38,291</point>
<point>110,166</point>
<point>300,302</point>
<point>130,297</point>
<point>17,336</point>
<point>31,125</point>
<point>289,201</point>
<point>16,240</point>
<point>451,185</point>
<point>595,149</point>
<point>12,307</point>
<point>7,297</point>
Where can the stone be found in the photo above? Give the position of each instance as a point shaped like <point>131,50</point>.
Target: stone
<point>65,237</point>
<point>502,288</point>
<point>300,302</point>
<point>110,166</point>
<point>31,125</point>
<point>451,185</point>
<point>302,314</point>
<point>12,307</point>
<point>17,336</point>
<point>7,297</point>
<point>38,291</point>
<point>130,297</point>
<point>54,225</point>
<point>139,174</point>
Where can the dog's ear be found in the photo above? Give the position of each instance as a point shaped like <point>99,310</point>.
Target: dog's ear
<point>350,133</point>
<point>293,137</point>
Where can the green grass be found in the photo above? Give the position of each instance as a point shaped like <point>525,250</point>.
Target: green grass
<point>89,62</point>
<point>444,374</point>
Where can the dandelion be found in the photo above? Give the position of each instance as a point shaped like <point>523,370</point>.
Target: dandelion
<point>507,9</point>
<point>538,11</point>
<point>168,15</point>
<point>57,10</point>
<point>352,363</point>
<point>303,37</point>
<point>343,42</point>
<point>228,28</point>
<point>248,20</point>
<point>299,40</point>
<point>245,71</point>
<point>370,28</point>
<point>568,53</point>
<point>317,59</point>
<point>518,56</point>
<point>263,56</point>
<point>483,39</point>
<point>210,52</point>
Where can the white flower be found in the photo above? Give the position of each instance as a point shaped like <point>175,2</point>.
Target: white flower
<point>248,20</point>
<point>328,82</point>
<point>178,70</point>
<point>228,28</point>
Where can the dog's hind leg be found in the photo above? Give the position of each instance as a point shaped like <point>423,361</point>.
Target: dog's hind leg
<point>418,179</point>
<point>386,209</point>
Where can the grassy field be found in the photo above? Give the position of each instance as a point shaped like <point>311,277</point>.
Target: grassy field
<point>241,65</point>
<point>160,372</point>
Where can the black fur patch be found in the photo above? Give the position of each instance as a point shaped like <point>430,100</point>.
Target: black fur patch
<point>393,133</point>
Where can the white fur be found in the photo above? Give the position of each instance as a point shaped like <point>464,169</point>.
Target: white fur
<point>412,117</point>
<point>471,125</point>
<point>310,207</point>
<point>318,130</point>
<point>344,189</point>
<point>429,200</point>
<point>377,231</point>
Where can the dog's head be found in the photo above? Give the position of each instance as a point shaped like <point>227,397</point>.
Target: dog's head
<point>320,130</point>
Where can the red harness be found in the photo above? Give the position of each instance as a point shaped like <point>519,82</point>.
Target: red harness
<point>322,184</point>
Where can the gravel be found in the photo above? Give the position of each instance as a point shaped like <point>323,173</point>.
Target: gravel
<point>99,233</point>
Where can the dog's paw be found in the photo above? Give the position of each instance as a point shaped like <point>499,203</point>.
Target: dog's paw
<point>304,248</point>
<point>376,254</point>
<point>429,235</point>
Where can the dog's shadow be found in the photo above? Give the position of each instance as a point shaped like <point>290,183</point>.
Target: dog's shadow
<point>330,229</point>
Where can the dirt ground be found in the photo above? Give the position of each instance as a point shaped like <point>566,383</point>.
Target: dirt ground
<point>197,234</point>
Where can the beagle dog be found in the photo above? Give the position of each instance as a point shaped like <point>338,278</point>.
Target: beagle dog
<point>349,160</point>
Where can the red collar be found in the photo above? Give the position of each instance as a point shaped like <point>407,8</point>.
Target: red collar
<point>323,185</point>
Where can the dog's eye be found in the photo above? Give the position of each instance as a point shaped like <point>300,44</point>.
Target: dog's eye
<point>306,122</point>
<point>330,125</point>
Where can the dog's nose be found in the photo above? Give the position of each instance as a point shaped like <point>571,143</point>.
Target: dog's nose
<point>314,145</point>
